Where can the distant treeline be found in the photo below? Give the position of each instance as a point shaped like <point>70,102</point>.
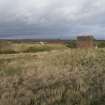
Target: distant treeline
<point>98,43</point>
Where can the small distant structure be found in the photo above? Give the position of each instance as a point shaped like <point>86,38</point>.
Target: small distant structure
<point>85,42</point>
<point>42,43</point>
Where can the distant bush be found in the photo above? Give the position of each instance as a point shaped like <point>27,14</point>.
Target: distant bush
<point>9,51</point>
<point>71,44</point>
<point>37,49</point>
<point>101,44</point>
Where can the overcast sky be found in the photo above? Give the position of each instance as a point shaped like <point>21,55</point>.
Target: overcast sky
<point>51,18</point>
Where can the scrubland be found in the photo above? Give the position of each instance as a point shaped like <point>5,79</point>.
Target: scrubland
<point>10,47</point>
<point>58,77</point>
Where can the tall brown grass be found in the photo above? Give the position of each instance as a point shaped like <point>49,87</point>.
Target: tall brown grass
<point>65,77</point>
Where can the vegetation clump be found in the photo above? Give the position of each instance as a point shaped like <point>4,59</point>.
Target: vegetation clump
<point>71,44</point>
<point>101,44</point>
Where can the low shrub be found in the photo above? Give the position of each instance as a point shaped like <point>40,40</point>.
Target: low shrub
<point>37,49</point>
<point>9,51</point>
<point>101,44</point>
<point>71,44</point>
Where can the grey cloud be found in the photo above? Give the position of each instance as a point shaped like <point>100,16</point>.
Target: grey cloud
<point>51,18</point>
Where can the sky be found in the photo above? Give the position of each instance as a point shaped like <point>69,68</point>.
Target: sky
<point>51,18</point>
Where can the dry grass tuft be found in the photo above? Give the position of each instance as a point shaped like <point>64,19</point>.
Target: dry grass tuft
<point>65,77</point>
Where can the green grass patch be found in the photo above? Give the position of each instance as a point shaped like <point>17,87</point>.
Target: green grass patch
<point>10,71</point>
<point>38,49</point>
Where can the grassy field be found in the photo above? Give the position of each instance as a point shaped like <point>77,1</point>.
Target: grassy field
<point>10,47</point>
<point>57,77</point>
